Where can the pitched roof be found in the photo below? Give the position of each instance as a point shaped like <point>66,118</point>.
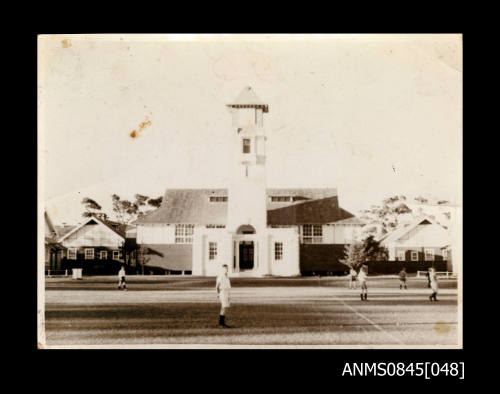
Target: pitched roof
<point>63,230</point>
<point>50,231</point>
<point>76,228</point>
<point>402,230</point>
<point>318,211</point>
<point>247,97</point>
<point>193,206</point>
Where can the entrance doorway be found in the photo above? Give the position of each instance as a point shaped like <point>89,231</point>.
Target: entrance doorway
<point>246,255</point>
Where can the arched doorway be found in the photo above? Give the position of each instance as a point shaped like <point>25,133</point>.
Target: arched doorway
<point>245,229</point>
<point>246,248</point>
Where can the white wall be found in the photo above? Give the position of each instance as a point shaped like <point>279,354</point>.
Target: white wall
<point>202,265</point>
<point>155,234</point>
<point>289,265</point>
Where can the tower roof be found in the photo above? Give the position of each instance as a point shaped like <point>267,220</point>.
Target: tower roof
<point>248,98</point>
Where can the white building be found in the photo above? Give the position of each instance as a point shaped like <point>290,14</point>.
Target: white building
<point>256,231</point>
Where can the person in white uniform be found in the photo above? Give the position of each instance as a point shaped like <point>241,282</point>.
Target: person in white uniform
<point>362,276</point>
<point>434,283</point>
<point>121,279</point>
<point>223,286</point>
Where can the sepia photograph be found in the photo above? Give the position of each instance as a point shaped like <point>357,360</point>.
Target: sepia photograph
<point>250,191</point>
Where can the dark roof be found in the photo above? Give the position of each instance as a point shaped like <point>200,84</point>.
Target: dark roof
<point>321,211</point>
<point>193,206</point>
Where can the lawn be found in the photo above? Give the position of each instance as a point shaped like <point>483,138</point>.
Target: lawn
<point>270,311</point>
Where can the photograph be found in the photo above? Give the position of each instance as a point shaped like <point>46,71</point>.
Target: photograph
<point>250,191</point>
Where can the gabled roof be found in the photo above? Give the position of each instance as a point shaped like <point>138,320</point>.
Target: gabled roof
<point>193,206</point>
<point>405,229</point>
<point>63,230</point>
<point>189,206</point>
<point>248,98</point>
<point>87,222</point>
<point>51,232</point>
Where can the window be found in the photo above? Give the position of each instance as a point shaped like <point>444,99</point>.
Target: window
<point>246,145</point>
<point>281,199</point>
<point>89,254</point>
<point>72,254</point>
<point>215,226</point>
<point>218,199</point>
<point>278,250</point>
<point>212,250</point>
<point>184,233</point>
<point>414,255</point>
<point>312,233</point>
<point>103,255</point>
<point>445,254</point>
<point>401,255</point>
<point>116,255</point>
<point>429,254</point>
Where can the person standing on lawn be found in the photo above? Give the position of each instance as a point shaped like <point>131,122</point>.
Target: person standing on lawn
<point>362,276</point>
<point>222,286</point>
<point>121,279</point>
<point>352,278</point>
<point>402,278</point>
<point>434,283</point>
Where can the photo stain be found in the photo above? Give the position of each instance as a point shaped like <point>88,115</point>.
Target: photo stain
<point>66,43</point>
<point>142,126</point>
<point>442,328</point>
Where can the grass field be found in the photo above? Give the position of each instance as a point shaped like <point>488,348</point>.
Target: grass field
<point>160,310</point>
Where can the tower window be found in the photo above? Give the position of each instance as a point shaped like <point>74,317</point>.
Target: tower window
<point>246,145</point>
<point>218,199</point>
<point>212,250</point>
<point>278,250</point>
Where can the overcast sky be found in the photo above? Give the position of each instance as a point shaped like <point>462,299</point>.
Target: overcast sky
<point>370,115</point>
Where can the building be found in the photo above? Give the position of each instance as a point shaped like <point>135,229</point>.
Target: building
<point>255,230</point>
<point>95,245</point>
<point>421,240</point>
<point>54,251</point>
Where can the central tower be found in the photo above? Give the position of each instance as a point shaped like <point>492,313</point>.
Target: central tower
<point>247,189</point>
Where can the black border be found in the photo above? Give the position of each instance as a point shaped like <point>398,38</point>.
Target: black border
<point>300,365</point>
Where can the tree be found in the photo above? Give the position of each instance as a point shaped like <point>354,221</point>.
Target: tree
<point>155,202</point>
<point>354,255</point>
<point>358,253</point>
<point>373,251</point>
<point>126,211</point>
<point>92,208</point>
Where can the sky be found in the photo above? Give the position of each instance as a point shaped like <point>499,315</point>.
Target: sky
<point>371,115</point>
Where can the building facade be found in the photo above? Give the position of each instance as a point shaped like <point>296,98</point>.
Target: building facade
<point>95,245</point>
<point>422,240</point>
<point>255,230</point>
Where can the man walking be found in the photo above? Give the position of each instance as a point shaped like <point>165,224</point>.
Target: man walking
<point>222,286</point>
<point>121,279</point>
